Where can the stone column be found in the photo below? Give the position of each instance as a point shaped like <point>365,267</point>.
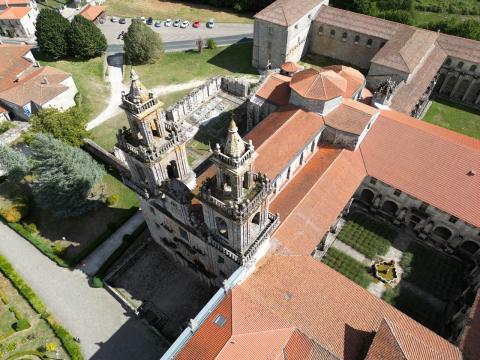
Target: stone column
<point>468,89</point>
<point>457,84</point>
<point>477,99</point>
<point>445,82</point>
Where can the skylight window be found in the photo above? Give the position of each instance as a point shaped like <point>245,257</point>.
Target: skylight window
<point>220,320</point>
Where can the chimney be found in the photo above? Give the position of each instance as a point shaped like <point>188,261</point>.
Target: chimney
<point>44,81</point>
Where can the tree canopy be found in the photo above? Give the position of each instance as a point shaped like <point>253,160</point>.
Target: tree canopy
<point>14,163</point>
<point>64,177</point>
<point>84,38</point>
<point>51,28</point>
<point>467,28</point>
<point>67,126</point>
<point>141,44</point>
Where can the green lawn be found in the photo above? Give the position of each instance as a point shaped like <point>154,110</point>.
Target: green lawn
<point>105,134</point>
<point>433,271</point>
<point>52,4</point>
<point>181,67</point>
<point>29,340</point>
<point>414,306</point>
<point>368,236</point>
<point>455,117</point>
<point>88,76</point>
<point>161,9</point>
<point>347,266</point>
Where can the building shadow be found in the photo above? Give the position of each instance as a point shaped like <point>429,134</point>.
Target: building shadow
<point>236,58</point>
<point>356,343</point>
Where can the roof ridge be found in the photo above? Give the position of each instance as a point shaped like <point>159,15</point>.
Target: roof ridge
<point>264,331</point>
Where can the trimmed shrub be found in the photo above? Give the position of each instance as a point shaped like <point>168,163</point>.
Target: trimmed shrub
<point>113,199</point>
<point>211,44</point>
<point>21,324</point>
<point>14,214</point>
<point>97,282</point>
<point>31,228</point>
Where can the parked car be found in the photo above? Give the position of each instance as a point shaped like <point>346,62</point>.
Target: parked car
<point>150,21</point>
<point>122,21</point>
<point>211,24</point>
<point>158,23</point>
<point>196,24</point>
<point>185,24</point>
<point>168,22</point>
<point>177,23</point>
<point>113,19</point>
<point>142,19</point>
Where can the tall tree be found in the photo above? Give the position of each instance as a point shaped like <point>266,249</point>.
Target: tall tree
<point>14,163</point>
<point>64,177</point>
<point>51,28</point>
<point>141,44</point>
<point>84,38</point>
<point>67,126</point>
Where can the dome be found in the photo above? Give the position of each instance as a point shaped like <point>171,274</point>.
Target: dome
<point>319,85</point>
<point>290,67</point>
<point>355,79</point>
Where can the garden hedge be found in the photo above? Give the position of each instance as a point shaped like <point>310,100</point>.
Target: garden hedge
<point>72,348</point>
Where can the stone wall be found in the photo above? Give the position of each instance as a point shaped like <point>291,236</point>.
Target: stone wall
<point>13,134</point>
<point>91,147</point>
<point>235,87</point>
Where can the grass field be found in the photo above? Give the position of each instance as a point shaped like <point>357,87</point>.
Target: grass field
<point>88,76</point>
<point>347,266</point>
<point>368,236</point>
<point>181,67</point>
<point>454,117</point>
<point>52,4</point>
<point>160,9</point>
<point>433,271</point>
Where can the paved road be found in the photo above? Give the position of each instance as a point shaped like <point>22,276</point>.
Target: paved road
<point>105,330</point>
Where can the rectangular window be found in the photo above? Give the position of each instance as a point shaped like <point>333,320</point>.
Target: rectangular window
<point>397,192</point>
<point>423,207</point>
<point>373,181</point>
<point>220,260</point>
<point>453,219</point>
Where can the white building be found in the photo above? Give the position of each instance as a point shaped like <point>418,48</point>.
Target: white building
<point>18,21</point>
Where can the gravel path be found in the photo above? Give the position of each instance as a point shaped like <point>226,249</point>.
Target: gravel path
<point>104,328</point>
<point>96,259</point>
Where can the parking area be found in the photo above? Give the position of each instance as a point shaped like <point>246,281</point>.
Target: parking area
<point>176,34</point>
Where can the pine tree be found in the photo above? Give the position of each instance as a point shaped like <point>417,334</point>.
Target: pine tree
<point>14,163</point>
<point>64,177</point>
<point>51,28</point>
<point>85,40</point>
<point>141,44</point>
<point>67,126</point>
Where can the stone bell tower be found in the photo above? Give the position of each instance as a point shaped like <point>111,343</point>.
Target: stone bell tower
<point>235,201</point>
<point>154,148</point>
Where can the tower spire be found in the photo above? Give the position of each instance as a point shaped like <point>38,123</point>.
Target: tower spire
<point>138,92</point>
<point>234,145</point>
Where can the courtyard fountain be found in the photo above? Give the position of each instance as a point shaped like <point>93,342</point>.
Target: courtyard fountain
<point>386,271</point>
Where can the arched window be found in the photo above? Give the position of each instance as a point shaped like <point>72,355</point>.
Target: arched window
<point>448,62</point>
<point>222,227</point>
<point>473,68</point>
<point>470,247</point>
<point>460,65</point>
<point>367,196</point>
<point>256,218</point>
<point>357,39</point>
<point>172,170</point>
<point>227,183</point>
<point>320,30</point>
<point>442,232</point>
<point>344,36</point>
<point>332,32</point>
<point>369,42</point>
<point>390,207</point>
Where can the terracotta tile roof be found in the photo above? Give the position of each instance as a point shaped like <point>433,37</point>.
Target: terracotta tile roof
<point>425,161</point>
<point>276,90</point>
<point>355,78</point>
<point>360,23</point>
<point>408,95</point>
<point>384,345</point>
<point>469,342</point>
<point>91,12</point>
<point>303,229</point>
<point>34,87</point>
<point>290,67</point>
<point>406,49</point>
<point>14,2</point>
<point>287,12</point>
<point>350,116</point>
<point>300,347</point>
<point>2,110</point>
<point>12,63</point>
<point>282,136</point>
<point>459,47</point>
<point>14,13</point>
<point>319,85</point>
<point>335,312</point>
<point>286,201</point>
